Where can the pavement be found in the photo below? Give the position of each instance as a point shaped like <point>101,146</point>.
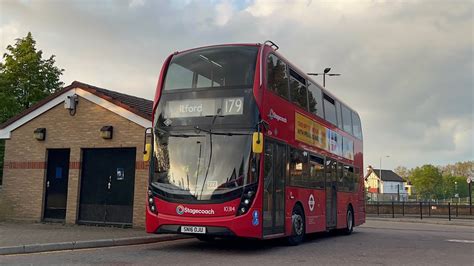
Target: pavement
<point>19,238</point>
<point>425,220</point>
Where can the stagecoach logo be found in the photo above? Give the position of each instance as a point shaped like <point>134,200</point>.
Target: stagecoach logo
<point>311,202</point>
<point>273,115</point>
<point>180,209</point>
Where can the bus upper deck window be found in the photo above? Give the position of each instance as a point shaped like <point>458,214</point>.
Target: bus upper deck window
<point>277,77</point>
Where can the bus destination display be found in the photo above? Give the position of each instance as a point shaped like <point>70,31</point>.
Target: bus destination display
<point>204,107</point>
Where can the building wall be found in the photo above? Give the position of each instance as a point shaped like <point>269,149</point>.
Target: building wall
<point>25,158</point>
<point>392,187</point>
<point>372,182</point>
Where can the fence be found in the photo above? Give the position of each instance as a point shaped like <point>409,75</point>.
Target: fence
<point>420,209</point>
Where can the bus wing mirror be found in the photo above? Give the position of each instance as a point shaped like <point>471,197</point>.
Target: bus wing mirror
<point>147,146</point>
<point>147,152</point>
<point>257,142</point>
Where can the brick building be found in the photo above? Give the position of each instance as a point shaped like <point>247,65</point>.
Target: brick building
<point>77,157</point>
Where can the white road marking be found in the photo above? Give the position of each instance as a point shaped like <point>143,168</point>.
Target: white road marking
<point>460,241</point>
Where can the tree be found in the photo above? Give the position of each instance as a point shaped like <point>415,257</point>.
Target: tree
<point>461,169</point>
<point>453,185</point>
<point>403,172</point>
<point>427,181</point>
<point>25,77</point>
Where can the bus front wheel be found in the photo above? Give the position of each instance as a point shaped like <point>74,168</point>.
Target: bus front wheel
<point>297,227</point>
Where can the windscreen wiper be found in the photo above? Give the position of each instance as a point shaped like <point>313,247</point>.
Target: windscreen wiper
<point>184,135</point>
<point>197,128</point>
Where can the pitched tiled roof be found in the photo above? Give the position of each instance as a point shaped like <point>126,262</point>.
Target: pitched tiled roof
<point>388,175</point>
<point>139,106</point>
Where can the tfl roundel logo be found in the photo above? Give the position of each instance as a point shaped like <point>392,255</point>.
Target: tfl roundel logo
<point>180,209</point>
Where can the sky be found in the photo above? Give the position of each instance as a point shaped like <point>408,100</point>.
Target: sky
<point>406,66</point>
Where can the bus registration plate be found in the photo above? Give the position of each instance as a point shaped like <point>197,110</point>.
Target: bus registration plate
<point>193,229</point>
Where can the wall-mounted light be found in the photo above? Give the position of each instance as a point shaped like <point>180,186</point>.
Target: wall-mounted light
<point>107,132</point>
<point>70,103</point>
<point>40,134</point>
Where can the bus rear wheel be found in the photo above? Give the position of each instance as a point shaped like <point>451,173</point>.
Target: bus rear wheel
<point>297,226</point>
<point>349,222</point>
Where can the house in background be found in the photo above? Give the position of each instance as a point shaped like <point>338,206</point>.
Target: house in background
<point>385,185</point>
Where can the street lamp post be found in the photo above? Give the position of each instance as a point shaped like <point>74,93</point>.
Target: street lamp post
<point>469,181</point>
<point>325,72</point>
<point>456,195</point>
<point>380,170</point>
<point>398,192</point>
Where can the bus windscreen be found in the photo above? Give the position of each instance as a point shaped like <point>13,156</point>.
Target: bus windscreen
<point>217,67</point>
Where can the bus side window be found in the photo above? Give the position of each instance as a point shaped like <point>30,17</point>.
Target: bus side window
<point>346,120</point>
<point>315,100</point>
<point>277,77</point>
<point>330,110</point>
<point>341,182</point>
<point>331,167</point>
<point>298,91</point>
<point>339,115</point>
<point>356,179</point>
<point>299,175</point>
<point>350,179</point>
<point>317,172</point>
<point>356,125</point>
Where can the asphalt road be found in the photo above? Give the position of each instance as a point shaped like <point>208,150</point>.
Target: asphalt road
<point>376,242</point>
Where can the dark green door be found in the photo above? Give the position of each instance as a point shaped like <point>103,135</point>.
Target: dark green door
<point>57,175</point>
<point>107,186</point>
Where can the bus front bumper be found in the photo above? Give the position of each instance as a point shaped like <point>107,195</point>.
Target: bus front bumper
<point>227,226</point>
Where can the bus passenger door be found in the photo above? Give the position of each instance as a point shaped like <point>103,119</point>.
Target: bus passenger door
<point>274,188</point>
<point>331,194</point>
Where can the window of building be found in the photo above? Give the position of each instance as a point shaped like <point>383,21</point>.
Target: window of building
<point>346,119</point>
<point>298,92</point>
<point>316,171</point>
<point>356,125</point>
<point>299,175</point>
<point>277,77</point>
<point>330,110</point>
<point>315,100</point>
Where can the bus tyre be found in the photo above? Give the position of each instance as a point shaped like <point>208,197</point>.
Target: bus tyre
<point>349,222</point>
<point>297,226</point>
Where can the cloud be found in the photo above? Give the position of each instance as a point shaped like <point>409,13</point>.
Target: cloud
<point>136,3</point>
<point>407,67</point>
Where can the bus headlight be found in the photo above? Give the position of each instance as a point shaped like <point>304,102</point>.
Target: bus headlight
<point>151,202</point>
<point>246,201</point>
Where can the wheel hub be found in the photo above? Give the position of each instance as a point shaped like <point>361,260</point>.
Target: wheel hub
<point>349,220</point>
<point>298,223</point>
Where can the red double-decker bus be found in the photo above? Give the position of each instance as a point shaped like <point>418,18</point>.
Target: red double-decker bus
<point>244,144</point>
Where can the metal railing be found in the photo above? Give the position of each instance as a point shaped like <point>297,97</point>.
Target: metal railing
<point>419,209</point>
